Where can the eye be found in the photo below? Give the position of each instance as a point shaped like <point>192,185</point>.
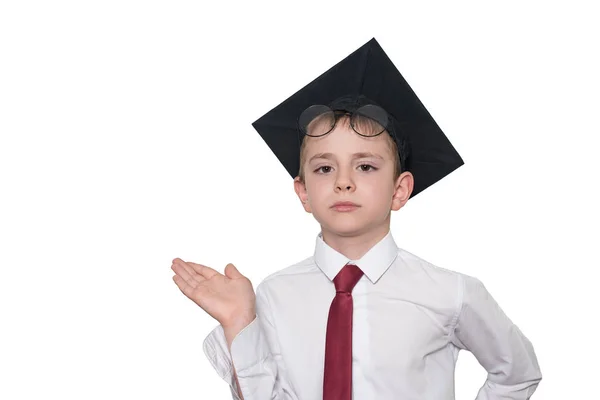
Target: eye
<point>320,168</point>
<point>369,168</point>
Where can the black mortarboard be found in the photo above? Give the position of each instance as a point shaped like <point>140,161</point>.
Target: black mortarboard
<point>369,73</point>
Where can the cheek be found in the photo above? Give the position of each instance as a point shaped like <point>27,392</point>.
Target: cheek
<point>380,189</point>
<point>317,188</point>
<point>379,182</point>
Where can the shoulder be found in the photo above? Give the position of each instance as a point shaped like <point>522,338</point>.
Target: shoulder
<point>438,288</point>
<point>434,275</point>
<point>292,274</point>
<point>418,264</point>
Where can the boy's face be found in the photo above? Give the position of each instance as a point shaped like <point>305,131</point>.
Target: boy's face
<point>334,172</point>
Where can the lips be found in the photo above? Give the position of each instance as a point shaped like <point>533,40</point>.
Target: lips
<point>344,204</point>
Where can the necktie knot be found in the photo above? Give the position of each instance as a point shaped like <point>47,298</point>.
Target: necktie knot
<point>347,278</point>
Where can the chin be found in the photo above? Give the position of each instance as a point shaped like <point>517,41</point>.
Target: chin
<point>345,228</point>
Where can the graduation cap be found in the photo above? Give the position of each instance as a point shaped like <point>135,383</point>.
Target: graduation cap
<point>369,76</point>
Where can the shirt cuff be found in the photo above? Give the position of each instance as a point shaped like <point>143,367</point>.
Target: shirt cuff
<point>215,349</point>
<point>249,348</point>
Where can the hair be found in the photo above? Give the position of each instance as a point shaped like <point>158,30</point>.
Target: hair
<point>398,150</point>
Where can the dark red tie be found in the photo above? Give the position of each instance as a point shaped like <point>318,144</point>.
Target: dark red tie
<point>337,381</point>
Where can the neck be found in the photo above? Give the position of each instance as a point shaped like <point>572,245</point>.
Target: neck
<point>357,244</point>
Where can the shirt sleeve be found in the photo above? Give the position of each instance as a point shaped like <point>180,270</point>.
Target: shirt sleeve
<point>497,343</point>
<point>256,355</point>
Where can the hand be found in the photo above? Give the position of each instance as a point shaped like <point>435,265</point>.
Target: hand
<point>228,298</point>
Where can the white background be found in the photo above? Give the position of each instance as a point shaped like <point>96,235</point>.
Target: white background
<point>126,141</point>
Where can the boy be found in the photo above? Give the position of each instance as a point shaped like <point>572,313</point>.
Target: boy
<point>361,318</point>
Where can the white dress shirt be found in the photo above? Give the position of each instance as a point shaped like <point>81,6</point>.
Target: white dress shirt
<point>411,318</point>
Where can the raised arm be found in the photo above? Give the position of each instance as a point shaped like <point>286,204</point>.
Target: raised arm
<point>255,357</point>
<point>243,348</point>
<point>497,343</point>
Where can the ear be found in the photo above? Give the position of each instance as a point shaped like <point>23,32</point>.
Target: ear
<point>404,187</point>
<point>300,189</point>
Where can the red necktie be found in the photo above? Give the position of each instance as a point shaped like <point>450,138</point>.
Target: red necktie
<point>337,381</point>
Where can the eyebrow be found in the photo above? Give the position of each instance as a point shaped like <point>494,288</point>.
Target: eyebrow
<point>354,156</point>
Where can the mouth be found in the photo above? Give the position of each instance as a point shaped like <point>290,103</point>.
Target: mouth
<point>344,206</point>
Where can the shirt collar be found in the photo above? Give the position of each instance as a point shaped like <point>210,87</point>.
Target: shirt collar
<point>374,263</point>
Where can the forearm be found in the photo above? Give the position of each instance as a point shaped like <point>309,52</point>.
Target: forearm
<point>237,383</point>
<point>516,374</point>
<point>247,355</point>
<point>498,344</point>
<point>230,333</point>
<point>519,391</point>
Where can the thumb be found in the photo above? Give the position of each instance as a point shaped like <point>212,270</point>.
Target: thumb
<point>232,272</point>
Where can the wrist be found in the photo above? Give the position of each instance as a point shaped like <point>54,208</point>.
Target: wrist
<point>238,323</point>
<point>233,328</point>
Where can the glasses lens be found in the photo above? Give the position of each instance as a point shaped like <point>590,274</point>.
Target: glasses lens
<point>370,120</point>
<point>316,120</point>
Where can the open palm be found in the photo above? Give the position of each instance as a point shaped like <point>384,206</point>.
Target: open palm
<point>228,297</point>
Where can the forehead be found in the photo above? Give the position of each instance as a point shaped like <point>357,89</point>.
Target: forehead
<point>343,141</point>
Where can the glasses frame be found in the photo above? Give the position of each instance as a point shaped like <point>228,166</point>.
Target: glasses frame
<point>338,113</point>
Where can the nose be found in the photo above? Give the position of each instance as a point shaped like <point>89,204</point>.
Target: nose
<point>343,182</point>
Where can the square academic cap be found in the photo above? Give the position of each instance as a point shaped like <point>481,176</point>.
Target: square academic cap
<point>367,72</point>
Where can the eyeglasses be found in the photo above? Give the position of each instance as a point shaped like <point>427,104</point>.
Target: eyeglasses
<point>318,120</point>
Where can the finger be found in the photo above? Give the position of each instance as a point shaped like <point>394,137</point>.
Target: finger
<point>186,273</point>
<point>183,286</point>
<point>203,270</point>
<point>188,268</point>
